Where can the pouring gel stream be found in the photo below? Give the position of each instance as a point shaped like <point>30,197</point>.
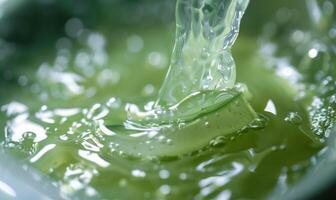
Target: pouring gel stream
<point>197,101</point>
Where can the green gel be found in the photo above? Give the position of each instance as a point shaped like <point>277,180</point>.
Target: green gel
<point>187,135</point>
<point>196,102</point>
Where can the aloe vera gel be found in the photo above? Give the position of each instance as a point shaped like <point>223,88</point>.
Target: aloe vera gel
<point>108,116</point>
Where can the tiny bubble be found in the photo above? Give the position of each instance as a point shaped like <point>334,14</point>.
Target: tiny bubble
<point>294,118</point>
<point>165,189</point>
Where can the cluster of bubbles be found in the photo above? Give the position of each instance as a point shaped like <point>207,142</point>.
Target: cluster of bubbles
<point>77,177</point>
<point>31,133</point>
<point>20,132</point>
<point>72,71</point>
<point>82,65</point>
<point>322,109</point>
<point>294,118</point>
<point>310,64</point>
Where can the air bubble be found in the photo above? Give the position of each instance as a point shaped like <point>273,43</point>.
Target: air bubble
<point>169,142</point>
<point>332,33</point>
<point>91,192</point>
<point>218,141</point>
<point>108,76</point>
<point>206,124</point>
<point>114,102</point>
<point>313,53</point>
<point>298,36</point>
<point>164,174</point>
<point>332,100</point>
<point>183,176</point>
<point>74,27</point>
<point>294,118</point>
<point>162,139</point>
<point>149,106</point>
<point>165,189</point>
<point>27,143</point>
<point>97,111</point>
<point>138,173</point>
<point>96,41</point>
<point>148,90</point>
<point>259,123</point>
<point>29,135</point>
<point>63,137</point>
<point>157,60</point>
<point>181,125</point>
<point>135,44</point>
<point>23,80</point>
<point>123,182</point>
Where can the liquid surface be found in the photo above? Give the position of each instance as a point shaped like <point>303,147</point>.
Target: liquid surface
<point>66,143</point>
<point>56,119</point>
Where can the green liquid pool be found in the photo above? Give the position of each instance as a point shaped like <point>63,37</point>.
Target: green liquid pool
<point>60,118</point>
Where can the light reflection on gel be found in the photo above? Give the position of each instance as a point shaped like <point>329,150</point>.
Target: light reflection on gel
<point>138,173</point>
<point>7,189</point>
<point>93,157</point>
<point>21,125</point>
<point>14,108</point>
<point>42,152</point>
<point>209,184</point>
<point>270,107</point>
